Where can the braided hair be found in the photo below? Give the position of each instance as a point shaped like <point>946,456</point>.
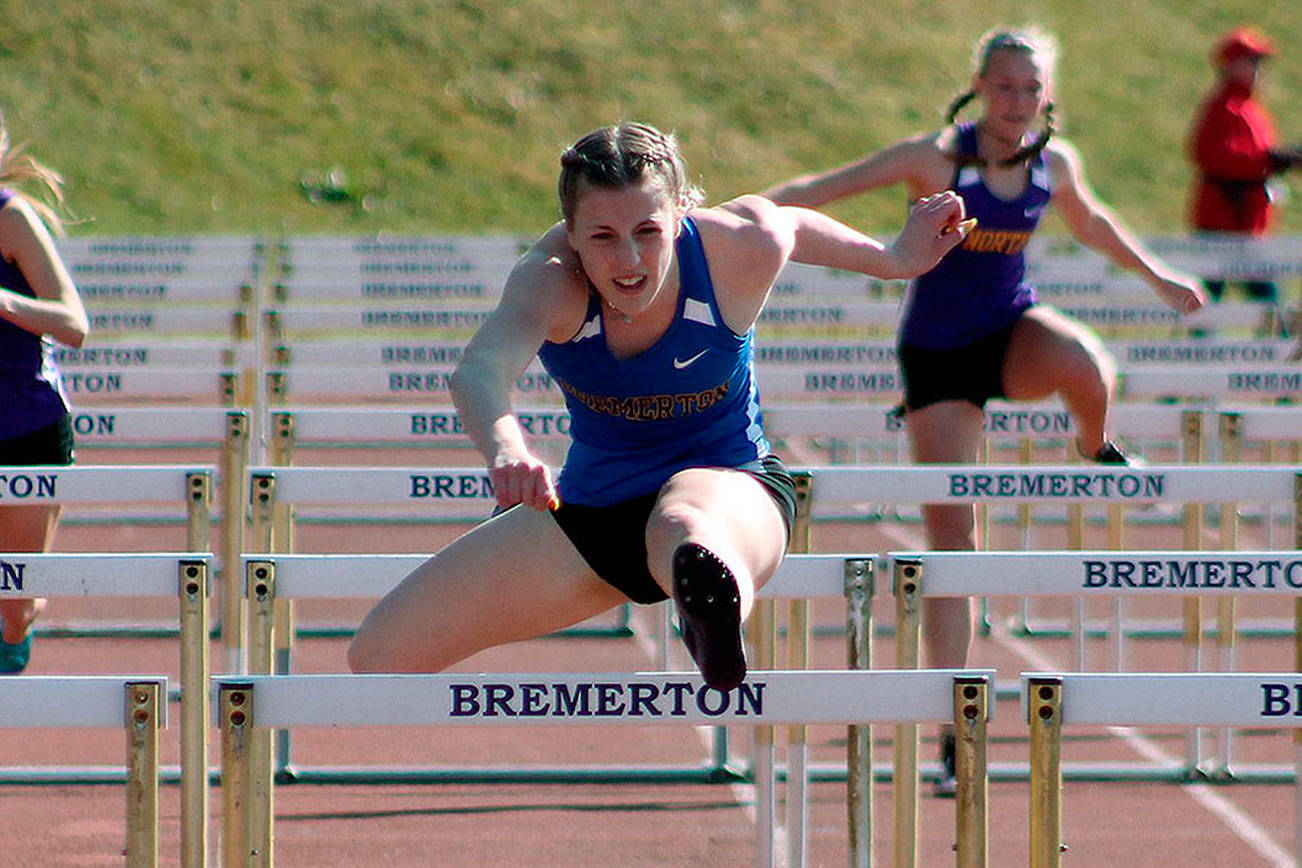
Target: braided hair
<point>1032,41</point>
<point>621,155</point>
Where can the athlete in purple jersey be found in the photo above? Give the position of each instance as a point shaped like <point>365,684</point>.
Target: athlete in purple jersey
<point>38,302</point>
<point>973,330</point>
<point>642,303</point>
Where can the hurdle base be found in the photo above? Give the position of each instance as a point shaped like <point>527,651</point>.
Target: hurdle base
<point>704,774</point>
<point>26,776</point>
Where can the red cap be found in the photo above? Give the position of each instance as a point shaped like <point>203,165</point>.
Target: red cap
<point>1243,42</point>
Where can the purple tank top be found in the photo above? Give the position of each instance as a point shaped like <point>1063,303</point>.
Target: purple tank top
<point>980,286</point>
<point>31,390</point>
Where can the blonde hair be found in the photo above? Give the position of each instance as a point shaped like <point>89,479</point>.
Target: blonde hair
<point>17,166</point>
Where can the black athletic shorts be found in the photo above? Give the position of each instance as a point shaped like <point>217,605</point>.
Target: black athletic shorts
<point>52,444</point>
<point>973,373</point>
<point>612,539</point>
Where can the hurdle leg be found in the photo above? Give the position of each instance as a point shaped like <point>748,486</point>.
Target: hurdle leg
<point>235,708</point>
<point>798,636</point>
<point>972,824</point>
<point>235,487</point>
<point>1226,615</point>
<point>764,621</point>
<point>859,737</point>
<point>261,593</point>
<point>1192,633</point>
<point>194,594</point>
<point>1076,542</point>
<point>1195,515</point>
<point>142,715</point>
<point>797,742</point>
<point>1117,542</point>
<point>1044,710</point>
<point>908,634</point>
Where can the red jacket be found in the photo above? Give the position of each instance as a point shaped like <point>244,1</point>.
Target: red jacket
<point>1230,144</point>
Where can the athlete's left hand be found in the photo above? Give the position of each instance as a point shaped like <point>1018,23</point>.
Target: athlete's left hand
<point>937,224</point>
<point>1180,291</point>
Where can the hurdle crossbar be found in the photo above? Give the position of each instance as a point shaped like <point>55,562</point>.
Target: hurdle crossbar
<point>766,698</point>
<point>136,703</point>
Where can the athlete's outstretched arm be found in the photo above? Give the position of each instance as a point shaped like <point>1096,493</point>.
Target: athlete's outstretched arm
<point>1094,225</point>
<point>893,165</point>
<point>935,226</point>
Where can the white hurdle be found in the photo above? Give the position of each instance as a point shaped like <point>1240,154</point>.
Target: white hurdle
<point>183,576</point>
<point>1241,382</point>
<point>138,704</point>
<point>281,577</point>
<point>1052,700</point>
<point>191,486</point>
<point>249,707</point>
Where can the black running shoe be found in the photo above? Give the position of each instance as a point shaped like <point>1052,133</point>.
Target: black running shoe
<point>1110,453</point>
<point>709,607</point>
<point>946,784</point>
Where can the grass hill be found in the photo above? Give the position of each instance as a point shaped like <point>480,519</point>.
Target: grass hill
<point>422,116</point>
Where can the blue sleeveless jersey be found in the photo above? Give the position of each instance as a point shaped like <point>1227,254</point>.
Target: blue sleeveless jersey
<point>688,401</point>
<point>980,286</point>
<point>31,390</point>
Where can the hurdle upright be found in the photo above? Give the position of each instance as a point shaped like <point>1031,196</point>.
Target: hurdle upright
<point>136,704</point>
<point>1053,700</point>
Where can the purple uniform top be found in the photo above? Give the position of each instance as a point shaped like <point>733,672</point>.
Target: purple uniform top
<point>980,286</point>
<point>31,390</point>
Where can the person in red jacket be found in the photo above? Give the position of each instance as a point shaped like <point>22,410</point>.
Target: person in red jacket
<point>1236,149</point>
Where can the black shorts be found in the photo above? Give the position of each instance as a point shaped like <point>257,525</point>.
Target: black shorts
<point>973,373</point>
<point>612,539</point>
<point>52,444</point>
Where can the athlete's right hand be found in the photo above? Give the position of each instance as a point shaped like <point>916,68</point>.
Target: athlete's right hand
<point>936,225</point>
<point>523,478</point>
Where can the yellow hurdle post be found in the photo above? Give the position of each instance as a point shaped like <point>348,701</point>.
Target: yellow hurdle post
<point>1044,713</point>
<point>261,593</point>
<point>194,590</point>
<point>143,710</point>
<point>859,737</point>
<point>798,632</point>
<point>235,706</point>
<point>971,720</point>
<point>1231,434</point>
<point>235,492</point>
<point>908,634</point>
<point>764,631</point>
<point>1194,527</point>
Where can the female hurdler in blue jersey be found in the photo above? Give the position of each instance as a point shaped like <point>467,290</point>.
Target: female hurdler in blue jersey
<point>642,306</point>
<point>973,330</point>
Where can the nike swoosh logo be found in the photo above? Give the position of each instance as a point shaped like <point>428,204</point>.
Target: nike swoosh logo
<point>679,364</point>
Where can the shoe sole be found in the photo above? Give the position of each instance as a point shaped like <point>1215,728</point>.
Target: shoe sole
<point>710,607</point>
